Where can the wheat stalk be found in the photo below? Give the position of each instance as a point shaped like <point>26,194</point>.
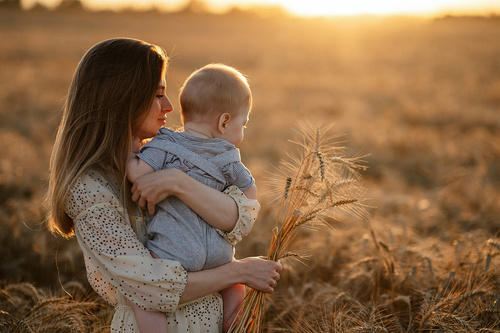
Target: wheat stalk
<point>369,328</point>
<point>462,322</point>
<point>317,181</point>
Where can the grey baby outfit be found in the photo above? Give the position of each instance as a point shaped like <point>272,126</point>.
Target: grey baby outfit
<point>176,232</point>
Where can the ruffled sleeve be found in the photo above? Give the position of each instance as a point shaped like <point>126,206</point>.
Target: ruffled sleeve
<point>248,210</point>
<point>116,261</point>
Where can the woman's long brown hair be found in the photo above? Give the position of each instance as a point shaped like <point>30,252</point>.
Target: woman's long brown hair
<point>108,99</point>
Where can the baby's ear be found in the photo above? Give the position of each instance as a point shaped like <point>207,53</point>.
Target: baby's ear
<point>223,122</point>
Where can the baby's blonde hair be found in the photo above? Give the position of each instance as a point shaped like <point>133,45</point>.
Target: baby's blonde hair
<point>212,90</point>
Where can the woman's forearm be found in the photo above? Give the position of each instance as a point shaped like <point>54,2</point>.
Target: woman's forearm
<point>205,282</point>
<point>255,272</point>
<point>216,208</point>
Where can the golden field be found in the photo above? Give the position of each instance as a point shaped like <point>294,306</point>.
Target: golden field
<point>421,98</point>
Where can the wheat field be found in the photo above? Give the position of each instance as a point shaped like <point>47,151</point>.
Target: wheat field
<point>418,98</point>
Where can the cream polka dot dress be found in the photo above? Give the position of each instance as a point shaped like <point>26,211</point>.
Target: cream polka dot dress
<point>120,268</point>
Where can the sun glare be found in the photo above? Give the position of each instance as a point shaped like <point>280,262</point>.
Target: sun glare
<point>319,7</point>
<point>314,7</point>
<point>383,7</point>
<point>379,7</point>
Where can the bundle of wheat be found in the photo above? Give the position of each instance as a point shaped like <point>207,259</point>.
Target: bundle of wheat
<point>319,180</point>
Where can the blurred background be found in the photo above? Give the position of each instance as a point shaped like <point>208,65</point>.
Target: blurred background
<point>414,87</point>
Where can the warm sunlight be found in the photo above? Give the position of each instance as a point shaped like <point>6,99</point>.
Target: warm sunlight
<point>313,7</point>
<point>355,7</point>
<point>383,7</point>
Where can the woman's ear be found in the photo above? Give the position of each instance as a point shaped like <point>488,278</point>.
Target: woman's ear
<point>223,122</point>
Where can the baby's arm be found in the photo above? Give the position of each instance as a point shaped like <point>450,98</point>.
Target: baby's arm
<point>251,193</point>
<point>137,168</point>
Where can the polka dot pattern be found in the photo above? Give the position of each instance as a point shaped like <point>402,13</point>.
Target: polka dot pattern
<point>121,269</point>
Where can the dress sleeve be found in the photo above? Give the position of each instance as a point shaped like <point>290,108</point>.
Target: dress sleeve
<point>248,210</point>
<point>116,261</point>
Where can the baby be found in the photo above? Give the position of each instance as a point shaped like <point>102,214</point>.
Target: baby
<point>215,105</point>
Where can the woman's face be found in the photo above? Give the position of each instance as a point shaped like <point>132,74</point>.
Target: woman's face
<point>157,114</point>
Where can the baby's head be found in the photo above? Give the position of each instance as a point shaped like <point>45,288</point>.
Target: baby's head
<point>217,95</point>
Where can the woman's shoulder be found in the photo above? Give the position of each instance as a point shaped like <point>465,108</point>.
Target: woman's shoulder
<point>91,188</point>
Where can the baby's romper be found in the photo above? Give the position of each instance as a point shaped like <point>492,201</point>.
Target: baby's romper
<point>176,232</point>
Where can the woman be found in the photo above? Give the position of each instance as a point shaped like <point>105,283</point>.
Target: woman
<point>117,98</point>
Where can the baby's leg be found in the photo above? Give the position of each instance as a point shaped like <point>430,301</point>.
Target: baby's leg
<point>232,298</point>
<point>149,321</point>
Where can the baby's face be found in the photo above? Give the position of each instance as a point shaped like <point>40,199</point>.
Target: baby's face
<point>236,127</point>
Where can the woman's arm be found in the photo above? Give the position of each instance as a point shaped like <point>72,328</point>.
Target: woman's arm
<point>216,208</point>
<point>255,272</point>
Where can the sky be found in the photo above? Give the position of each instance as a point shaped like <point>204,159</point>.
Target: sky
<point>317,7</point>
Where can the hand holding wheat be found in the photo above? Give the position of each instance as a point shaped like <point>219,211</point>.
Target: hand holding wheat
<point>320,180</point>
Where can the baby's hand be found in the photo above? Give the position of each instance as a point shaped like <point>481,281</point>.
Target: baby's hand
<point>136,145</point>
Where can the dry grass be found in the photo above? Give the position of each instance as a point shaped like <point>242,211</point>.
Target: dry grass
<point>27,309</point>
<point>420,96</point>
<point>381,294</point>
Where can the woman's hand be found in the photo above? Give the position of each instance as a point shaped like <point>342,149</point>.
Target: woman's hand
<point>259,273</point>
<point>150,189</point>
<point>255,272</point>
